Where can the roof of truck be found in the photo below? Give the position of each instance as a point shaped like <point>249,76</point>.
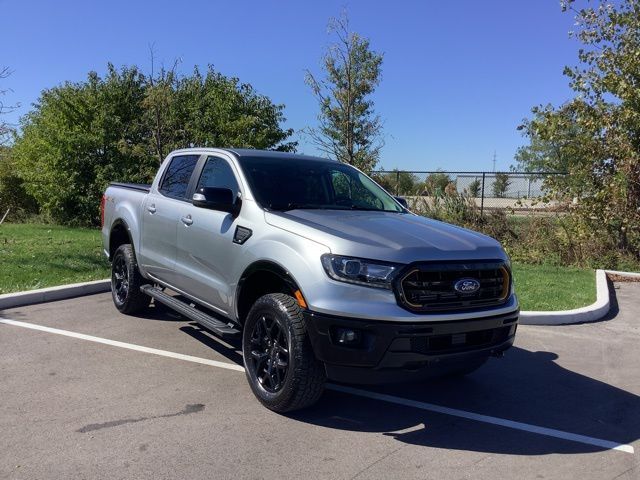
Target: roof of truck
<point>248,152</point>
<point>251,153</point>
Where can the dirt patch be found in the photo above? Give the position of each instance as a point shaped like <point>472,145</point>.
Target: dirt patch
<point>622,278</point>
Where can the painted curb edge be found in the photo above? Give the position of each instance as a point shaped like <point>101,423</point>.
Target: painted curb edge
<point>61,292</point>
<point>590,313</point>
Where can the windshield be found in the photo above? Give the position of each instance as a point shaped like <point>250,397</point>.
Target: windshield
<point>291,183</point>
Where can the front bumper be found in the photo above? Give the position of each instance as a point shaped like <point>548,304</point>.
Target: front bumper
<point>389,352</point>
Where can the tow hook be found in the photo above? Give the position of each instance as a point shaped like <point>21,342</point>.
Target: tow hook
<point>496,354</point>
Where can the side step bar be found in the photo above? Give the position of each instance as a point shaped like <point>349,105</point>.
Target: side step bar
<point>218,327</point>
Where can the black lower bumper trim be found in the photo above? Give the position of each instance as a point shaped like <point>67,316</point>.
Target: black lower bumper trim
<point>394,351</point>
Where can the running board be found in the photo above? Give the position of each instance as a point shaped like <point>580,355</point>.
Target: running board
<point>218,327</point>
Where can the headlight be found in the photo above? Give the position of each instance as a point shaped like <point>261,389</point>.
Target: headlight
<point>508,259</point>
<point>360,271</point>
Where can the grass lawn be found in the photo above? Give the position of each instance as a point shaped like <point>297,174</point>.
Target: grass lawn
<point>37,256</point>
<point>544,287</point>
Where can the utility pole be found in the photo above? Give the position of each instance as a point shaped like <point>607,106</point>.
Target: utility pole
<point>494,160</point>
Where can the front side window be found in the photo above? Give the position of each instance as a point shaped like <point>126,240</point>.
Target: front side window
<point>218,173</point>
<point>176,179</point>
<point>291,183</point>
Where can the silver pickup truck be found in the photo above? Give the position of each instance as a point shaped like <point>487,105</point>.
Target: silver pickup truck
<point>322,273</point>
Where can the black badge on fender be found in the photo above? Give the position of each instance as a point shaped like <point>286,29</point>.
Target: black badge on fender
<point>242,235</point>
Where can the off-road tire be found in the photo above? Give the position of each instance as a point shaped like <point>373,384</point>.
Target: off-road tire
<point>124,265</point>
<point>304,379</point>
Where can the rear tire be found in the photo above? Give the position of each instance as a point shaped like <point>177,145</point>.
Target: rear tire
<point>126,282</point>
<point>280,365</point>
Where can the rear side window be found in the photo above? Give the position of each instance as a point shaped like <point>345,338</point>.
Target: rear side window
<point>176,178</point>
<point>218,173</point>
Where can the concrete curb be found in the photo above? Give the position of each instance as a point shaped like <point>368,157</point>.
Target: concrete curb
<point>20,299</point>
<point>590,313</point>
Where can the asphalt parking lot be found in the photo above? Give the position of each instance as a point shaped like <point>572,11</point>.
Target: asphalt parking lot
<point>563,403</point>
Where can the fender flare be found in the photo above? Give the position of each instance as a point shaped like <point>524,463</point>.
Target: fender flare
<point>120,222</point>
<point>264,266</point>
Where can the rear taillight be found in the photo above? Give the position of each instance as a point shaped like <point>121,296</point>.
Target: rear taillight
<point>102,202</point>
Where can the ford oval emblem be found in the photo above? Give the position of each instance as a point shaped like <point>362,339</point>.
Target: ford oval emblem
<point>467,285</point>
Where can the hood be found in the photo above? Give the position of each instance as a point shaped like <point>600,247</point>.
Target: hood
<point>393,237</point>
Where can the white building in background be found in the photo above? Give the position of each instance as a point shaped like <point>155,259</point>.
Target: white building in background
<point>519,185</point>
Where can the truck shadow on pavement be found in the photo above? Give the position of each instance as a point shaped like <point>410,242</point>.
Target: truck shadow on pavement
<point>526,386</point>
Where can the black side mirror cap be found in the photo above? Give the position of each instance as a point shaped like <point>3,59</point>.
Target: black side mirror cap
<point>214,198</point>
<point>402,201</point>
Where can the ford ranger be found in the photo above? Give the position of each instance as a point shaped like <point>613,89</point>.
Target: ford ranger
<point>319,271</point>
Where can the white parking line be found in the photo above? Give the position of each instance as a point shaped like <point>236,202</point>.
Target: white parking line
<point>130,346</point>
<point>526,427</point>
<point>550,432</point>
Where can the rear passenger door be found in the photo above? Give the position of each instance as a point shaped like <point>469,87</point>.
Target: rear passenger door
<point>205,241</point>
<point>161,214</point>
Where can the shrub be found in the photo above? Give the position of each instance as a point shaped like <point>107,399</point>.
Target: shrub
<point>557,240</point>
<point>13,196</point>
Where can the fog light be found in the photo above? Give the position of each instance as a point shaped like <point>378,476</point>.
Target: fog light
<point>346,336</point>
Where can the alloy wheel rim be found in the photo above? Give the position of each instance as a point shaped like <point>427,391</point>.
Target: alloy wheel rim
<point>121,279</point>
<point>269,353</point>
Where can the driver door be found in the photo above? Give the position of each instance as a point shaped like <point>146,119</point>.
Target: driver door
<point>205,242</point>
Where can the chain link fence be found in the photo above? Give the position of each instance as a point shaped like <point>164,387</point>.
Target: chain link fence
<point>516,192</point>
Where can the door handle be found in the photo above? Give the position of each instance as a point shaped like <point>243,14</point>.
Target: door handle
<point>187,220</point>
<point>152,208</point>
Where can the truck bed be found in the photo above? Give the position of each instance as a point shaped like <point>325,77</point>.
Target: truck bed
<point>143,187</point>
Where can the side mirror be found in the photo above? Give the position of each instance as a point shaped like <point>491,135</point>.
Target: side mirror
<point>402,201</point>
<point>214,198</point>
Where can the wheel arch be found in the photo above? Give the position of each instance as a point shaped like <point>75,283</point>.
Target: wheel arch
<point>119,234</point>
<point>261,278</point>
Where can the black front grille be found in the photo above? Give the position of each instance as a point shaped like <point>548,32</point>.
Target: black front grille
<point>428,287</point>
<point>460,342</point>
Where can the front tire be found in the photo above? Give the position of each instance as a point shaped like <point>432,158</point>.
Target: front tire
<point>280,365</point>
<point>126,282</point>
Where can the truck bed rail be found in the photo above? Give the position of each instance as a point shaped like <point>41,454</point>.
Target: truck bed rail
<point>143,187</point>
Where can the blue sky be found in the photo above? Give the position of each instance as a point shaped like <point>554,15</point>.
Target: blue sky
<point>458,77</point>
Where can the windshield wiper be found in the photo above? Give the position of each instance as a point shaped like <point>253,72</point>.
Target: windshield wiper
<point>370,209</point>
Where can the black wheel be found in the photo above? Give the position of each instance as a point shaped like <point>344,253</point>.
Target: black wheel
<point>282,370</point>
<point>126,281</point>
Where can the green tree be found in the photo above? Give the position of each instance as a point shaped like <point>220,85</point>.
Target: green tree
<point>386,180</point>
<point>407,183</point>
<point>474,188</point>
<point>13,196</point>
<point>348,129</point>
<point>80,136</point>
<point>214,110</point>
<point>545,154</point>
<point>597,134</point>
<point>500,185</point>
<point>158,105</point>
<point>436,183</point>
<point>397,182</point>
